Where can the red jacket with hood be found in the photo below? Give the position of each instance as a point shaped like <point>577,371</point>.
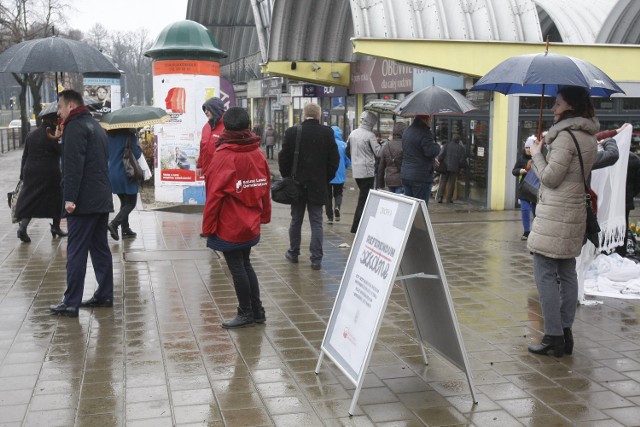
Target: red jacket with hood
<point>238,189</point>
<point>208,143</point>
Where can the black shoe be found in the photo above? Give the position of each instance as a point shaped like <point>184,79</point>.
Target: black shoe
<point>22,235</point>
<point>292,258</point>
<point>336,214</point>
<point>95,302</point>
<point>440,200</point>
<point>128,233</point>
<point>57,231</point>
<point>316,265</point>
<point>258,315</point>
<point>242,320</point>
<point>63,310</point>
<point>113,231</point>
<point>568,341</point>
<point>549,343</point>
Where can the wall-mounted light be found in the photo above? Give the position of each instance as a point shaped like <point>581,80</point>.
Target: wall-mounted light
<point>335,74</point>
<point>314,66</point>
<point>294,65</point>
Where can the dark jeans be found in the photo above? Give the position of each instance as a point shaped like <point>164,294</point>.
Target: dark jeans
<point>127,205</point>
<point>244,277</point>
<point>295,229</point>
<point>417,189</point>
<point>335,193</point>
<point>270,152</point>
<point>364,185</point>
<point>88,236</point>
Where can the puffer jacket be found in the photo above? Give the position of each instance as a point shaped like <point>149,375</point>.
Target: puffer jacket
<point>559,226</point>
<point>363,148</point>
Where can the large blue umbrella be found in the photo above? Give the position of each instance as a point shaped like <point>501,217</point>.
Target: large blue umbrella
<point>544,73</point>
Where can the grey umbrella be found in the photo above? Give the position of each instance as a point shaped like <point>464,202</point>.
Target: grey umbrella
<point>54,54</point>
<point>434,100</point>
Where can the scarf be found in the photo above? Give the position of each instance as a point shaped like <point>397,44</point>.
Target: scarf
<point>76,111</point>
<point>609,185</point>
<point>238,137</point>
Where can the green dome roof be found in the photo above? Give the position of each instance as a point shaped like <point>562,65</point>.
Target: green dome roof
<point>185,40</point>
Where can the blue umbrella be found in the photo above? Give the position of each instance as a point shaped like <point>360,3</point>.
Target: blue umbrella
<point>544,73</point>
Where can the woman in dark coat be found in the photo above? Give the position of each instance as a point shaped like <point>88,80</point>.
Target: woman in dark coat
<point>125,188</point>
<point>41,194</point>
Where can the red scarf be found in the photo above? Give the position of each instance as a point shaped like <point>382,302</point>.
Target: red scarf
<point>75,112</point>
<point>238,137</point>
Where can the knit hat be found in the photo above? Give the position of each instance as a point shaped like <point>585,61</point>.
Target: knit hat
<point>529,141</point>
<point>368,119</point>
<point>236,118</point>
<point>215,106</point>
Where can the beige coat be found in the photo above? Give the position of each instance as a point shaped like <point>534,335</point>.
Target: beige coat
<point>560,222</point>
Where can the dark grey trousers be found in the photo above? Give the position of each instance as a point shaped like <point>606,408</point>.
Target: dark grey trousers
<point>557,283</point>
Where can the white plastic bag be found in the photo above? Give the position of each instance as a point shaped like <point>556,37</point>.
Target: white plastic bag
<point>142,162</point>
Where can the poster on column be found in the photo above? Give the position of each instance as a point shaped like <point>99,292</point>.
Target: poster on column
<point>367,283</point>
<point>105,92</point>
<point>181,87</point>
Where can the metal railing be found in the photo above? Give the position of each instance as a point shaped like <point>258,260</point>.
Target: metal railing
<point>10,139</point>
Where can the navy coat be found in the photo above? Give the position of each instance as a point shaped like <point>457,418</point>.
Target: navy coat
<point>120,183</point>
<point>419,152</point>
<point>85,175</point>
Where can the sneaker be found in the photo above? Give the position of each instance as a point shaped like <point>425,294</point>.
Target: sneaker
<point>336,213</point>
<point>525,236</point>
<point>316,265</point>
<point>329,220</point>
<point>292,258</point>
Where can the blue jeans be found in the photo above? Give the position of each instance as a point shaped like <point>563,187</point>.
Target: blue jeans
<point>397,190</point>
<point>527,208</point>
<point>417,189</point>
<point>295,229</point>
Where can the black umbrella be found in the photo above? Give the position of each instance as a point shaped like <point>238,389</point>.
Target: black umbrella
<point>54,54</point>
<point>434,100</point>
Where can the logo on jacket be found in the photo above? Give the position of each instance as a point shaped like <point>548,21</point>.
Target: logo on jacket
<point>248,183</point>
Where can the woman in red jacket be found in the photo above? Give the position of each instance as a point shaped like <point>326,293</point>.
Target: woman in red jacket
<point>238,202</point>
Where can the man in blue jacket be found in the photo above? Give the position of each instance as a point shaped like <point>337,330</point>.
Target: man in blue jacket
<point>419,155</point>
<point>87,203</point>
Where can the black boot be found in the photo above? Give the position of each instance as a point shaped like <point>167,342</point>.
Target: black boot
<point>128,233</point>
<point>113,230</point>
<point>242,320</point>
<point>568,341</point>
<point>259,315</point>
<point>549,343</point>
<point>22,234</point>
<point>57,231</point>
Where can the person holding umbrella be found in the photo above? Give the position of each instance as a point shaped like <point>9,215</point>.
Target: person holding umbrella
<point>418,159</point>
<point>41,194</point>
<point>558,230</point>
<point>125,188</point>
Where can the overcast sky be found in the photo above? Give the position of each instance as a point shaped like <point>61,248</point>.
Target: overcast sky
<point>127,15</point>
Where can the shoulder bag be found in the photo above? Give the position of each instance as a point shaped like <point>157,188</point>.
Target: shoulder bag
<point>287,190</point>
<point>592,229</point>
<point>130,163</point>
<point>529,186</point>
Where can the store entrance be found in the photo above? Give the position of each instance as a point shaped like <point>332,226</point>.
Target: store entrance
<point>474,133</point>
<point>280,124</point>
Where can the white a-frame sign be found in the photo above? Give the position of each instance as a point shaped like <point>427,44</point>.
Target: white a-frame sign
<point>395,241</point>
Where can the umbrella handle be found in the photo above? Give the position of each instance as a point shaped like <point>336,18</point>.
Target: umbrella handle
<point>540,116</point>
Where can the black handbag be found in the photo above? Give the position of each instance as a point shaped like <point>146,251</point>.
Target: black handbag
<point>287,190</point>
<point>592,229</point>
<point>130,163</point>
<point>529,186</point>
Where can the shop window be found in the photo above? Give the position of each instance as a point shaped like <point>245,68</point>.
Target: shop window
<point>533,102</point>
<point>631,103</point>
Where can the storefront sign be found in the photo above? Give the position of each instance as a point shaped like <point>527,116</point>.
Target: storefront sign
<point>272,87</point>
<point>381,76</point>
<point>254,89</point>
<point>314,91</point>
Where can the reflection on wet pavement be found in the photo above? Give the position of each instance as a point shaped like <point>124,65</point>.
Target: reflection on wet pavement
<point>159,356</point>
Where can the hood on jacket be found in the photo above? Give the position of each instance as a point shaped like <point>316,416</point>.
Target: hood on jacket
<point>337,132</point>
<point>216,107</point>
<point>398,129</point>
<point>368,120</point>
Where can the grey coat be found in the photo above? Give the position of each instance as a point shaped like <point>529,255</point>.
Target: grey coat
<point>559,226</point>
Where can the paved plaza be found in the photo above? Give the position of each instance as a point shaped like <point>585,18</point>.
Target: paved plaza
<point>159,357</point>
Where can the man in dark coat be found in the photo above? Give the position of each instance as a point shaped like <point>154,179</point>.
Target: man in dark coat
<point>318,161</point>
<point>419,154</point>
<point>87,202</point>
<point>453,156</point>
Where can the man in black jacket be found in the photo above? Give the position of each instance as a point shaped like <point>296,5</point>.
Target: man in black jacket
<point>318,161</point>
<point>87,202</point>
<point>419,151</point>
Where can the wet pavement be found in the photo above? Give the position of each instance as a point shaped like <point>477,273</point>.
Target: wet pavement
<point>160,358</point>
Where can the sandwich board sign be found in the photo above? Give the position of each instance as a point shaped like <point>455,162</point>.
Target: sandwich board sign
<point>394,242</point>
